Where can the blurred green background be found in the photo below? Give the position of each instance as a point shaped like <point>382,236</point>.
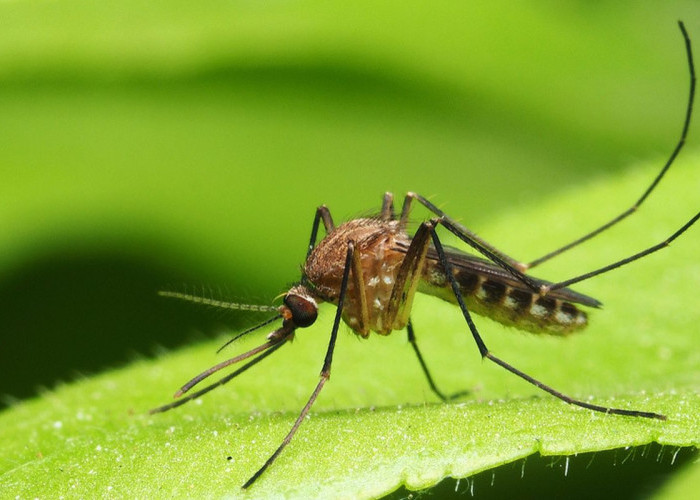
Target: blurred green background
<point>185,145</point>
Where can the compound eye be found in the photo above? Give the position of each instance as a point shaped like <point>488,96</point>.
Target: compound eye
<point>304,311</point>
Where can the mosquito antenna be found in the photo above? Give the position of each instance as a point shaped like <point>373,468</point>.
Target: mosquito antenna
<point>221,304</point>
<point>251,329</point>
<point>219,382</point>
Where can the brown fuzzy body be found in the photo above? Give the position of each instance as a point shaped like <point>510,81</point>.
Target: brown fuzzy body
<point>487,290</point>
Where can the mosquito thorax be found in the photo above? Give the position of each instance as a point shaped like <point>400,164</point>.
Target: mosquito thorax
<point>299,307</point>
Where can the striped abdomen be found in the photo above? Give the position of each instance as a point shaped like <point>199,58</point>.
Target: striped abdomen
<point>489,291</point>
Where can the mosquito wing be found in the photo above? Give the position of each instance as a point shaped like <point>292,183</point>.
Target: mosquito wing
<point>463,261</point>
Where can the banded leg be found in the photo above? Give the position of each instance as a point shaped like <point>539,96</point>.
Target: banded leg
<point>325,370</point>
<point>426,372</point>
<point>485,353</point>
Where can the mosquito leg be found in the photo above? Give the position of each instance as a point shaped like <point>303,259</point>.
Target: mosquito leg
<point>465,234</point>
<point>515,268</point>
<point>325,370</point>
<point>470,238</point>
<point>431,382</point>
<point>396,313</point>
<point>657,179</point>
<point>402,294</point>
<point>322,214</point>
<point>509,264</point>
<point>358,282</point>
<point>387,213</point>
<point>496,257</point>
<point>622,262</point>
<point>485,353</point>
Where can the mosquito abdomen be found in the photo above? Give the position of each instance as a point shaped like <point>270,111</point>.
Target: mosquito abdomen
<point>510,306</point>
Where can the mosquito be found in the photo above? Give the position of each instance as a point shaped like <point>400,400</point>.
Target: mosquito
<point>371,269</point>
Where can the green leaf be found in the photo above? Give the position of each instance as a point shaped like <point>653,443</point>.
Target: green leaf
<point>202,137</point>
<point>376,425</point>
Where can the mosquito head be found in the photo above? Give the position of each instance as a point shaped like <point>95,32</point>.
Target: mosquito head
<point>299,309</point>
